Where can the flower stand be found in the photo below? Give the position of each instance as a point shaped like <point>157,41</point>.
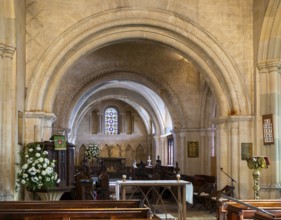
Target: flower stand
<point>50,196</point>
<point>256,164</point>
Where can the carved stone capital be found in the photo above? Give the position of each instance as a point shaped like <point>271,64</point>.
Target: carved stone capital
<point>269,66</point>
<point>41,115</point>
<point>7,50</point>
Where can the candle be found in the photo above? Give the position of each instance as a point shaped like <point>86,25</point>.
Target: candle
<point>124,177</point>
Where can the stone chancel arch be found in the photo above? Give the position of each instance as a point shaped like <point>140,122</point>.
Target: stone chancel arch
<point>186,38</point>
<point>100,30</point>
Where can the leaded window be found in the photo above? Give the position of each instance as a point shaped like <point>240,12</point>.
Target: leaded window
<point>111,121</point>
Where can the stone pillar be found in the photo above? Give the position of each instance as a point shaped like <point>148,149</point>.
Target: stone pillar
<point>159,148</point>
<point>122,123</point>
<point>100,123</point>
<point>94,122</point>
<point>8,108</point>
<point>231,133</point>
<point>38,126</point>
<point>8,122</point>
<point>129,122</point>
<point>179,149</point>
<point>269,103</point>
<point>207,140</point>
<point>164,150</point>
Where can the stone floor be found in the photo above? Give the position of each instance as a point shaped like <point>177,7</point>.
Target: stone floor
<point>170,212</point>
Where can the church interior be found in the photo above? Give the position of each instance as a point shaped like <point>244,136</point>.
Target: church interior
<point>152,90</point>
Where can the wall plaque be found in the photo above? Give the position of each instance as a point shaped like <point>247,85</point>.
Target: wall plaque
<point>268,134</point>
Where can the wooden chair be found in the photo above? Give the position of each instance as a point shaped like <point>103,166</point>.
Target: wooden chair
<point>88,189</point>
<point>103,187</point>
<point>204,192</point>
<point>215,199</point>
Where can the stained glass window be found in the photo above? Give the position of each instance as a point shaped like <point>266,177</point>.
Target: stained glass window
<point>111,121</point>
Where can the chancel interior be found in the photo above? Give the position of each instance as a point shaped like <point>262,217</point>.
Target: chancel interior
<point>184,92</point>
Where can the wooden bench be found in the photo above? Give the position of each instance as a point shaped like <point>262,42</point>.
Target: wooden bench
<point>72,204</point>
<point>246,209</point>
<point>66,210</point>
<point>276,215</point>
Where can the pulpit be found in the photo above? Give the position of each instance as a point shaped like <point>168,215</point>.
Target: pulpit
<point>64,162</point>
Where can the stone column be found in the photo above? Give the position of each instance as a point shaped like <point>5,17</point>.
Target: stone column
<point>36,124</point>
<point>269,103</point>
<point>8,122</point>
<point>231,132</point>
<point>179,149</point>
<point>129,122</point>
<point>207,140</point>
<point>158,150</point>
<point>100,129</point>
<point>122,123</point>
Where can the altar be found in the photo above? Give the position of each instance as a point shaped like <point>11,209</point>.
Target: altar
<point>184,191</point>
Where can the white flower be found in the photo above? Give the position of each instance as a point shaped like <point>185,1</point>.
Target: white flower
<point>32,171</point>
<point>34,179</point>
<point>49,170</point>
<point>25,166</point>
<point>37,172</point>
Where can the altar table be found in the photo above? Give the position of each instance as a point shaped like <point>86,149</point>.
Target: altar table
<point>185,190</point>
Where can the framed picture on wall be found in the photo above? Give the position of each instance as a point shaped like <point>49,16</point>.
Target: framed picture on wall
<point>192,149</point>
<point>246,150</point>
<point>268,134</point>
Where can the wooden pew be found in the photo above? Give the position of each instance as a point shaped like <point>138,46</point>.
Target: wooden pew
<point>72,204</point>
<point>276,215</point>
<point>246,209</point>
<point>66,210</point>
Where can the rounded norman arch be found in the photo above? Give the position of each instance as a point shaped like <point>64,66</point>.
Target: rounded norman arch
<point>270,44</point>
<point>100,30</point>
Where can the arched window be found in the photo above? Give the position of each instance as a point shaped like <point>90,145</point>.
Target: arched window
<point>111,121</point>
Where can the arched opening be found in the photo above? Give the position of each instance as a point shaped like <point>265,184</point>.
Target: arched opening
<point>196,46</point>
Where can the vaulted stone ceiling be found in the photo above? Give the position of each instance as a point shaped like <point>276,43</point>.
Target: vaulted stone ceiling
<point>134,72</point>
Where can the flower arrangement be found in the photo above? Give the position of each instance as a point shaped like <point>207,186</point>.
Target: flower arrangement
<point>257,163</point>
<point>37,172</point>
<point>92,150</point>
